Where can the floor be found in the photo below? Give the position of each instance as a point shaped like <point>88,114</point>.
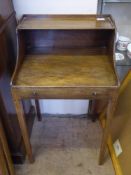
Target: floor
<point>66,146</point>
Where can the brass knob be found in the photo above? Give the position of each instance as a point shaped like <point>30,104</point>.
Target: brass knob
<point>94,93</point>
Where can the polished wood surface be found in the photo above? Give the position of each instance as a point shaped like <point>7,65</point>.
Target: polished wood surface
<point>122,119</point>
<point>65,57</point>
<point>6,153</point>
<point>65,22</point>
<point>7,64</point>
<point>97,106</point>
<point>66,71</point>
<point>121,125</point>
<point>23,126</point>
<point>94,41</point>
<point>3,165</point>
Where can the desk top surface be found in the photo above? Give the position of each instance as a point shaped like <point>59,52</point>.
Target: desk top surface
<point>65,22</point>
<point>66,71</point>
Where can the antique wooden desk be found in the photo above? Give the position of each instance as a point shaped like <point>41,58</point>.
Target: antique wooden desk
<point>65,57</point>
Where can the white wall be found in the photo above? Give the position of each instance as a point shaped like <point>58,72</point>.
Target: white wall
<point>55,6</point>
<point>64,106</point>
<point>58,7</point>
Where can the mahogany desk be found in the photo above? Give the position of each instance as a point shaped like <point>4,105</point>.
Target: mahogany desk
<point>65,57</point>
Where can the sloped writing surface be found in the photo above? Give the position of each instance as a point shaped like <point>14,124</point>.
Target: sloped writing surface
<point>66,70</point>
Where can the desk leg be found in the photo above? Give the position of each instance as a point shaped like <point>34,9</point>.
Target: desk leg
<point>110,112</point>
<point>23,127</point>
<point>38,113</point>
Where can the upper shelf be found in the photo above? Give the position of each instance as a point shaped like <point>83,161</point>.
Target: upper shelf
<point>66,22</point>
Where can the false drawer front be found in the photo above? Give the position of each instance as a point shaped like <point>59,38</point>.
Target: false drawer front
<point>65,92</point>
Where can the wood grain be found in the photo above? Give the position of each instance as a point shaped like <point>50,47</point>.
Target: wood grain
<point>23,126</point>
<point>71,39</point>
<point>110,111</point>
<point>121,126</point>
<point>61,70</point>
<point>3,164</point>
<point>65,56</point>
<point>65,22</point>
<point>6,151</point>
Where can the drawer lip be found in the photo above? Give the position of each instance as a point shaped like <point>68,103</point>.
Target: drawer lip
<point>65,93</point>
<point>42,87</point>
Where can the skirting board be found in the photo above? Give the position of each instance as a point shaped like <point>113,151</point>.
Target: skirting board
<point>114,159</point>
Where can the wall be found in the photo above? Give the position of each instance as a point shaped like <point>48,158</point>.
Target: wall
<point>58,7</point>
<point>55,6</point>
